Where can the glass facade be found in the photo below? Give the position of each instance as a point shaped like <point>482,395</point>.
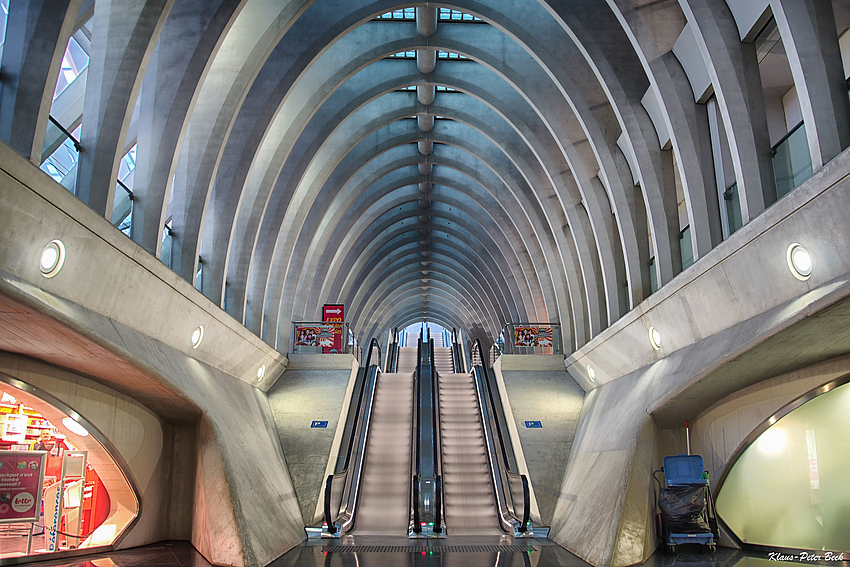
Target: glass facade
<point>792,162</point>
<point>731,199</point>
<point>789,488</point>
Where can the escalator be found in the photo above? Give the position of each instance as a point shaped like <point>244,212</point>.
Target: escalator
<point>470,507</point>
<point>384,507</point>
<point>427,455</point>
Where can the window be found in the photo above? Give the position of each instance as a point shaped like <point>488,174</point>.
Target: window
<point>402,14</point>
<point>448,15</point>
<point>804,456</point>
<point>73,63</point>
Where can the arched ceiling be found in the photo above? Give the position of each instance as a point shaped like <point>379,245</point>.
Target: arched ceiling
<point>517,177</point>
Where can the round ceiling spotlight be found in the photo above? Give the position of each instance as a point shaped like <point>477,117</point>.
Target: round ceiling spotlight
<point>799,261</point>
<point>52,258</point>
<point>261,371</point>
<point>591,373</point>
<point>74,426</point>
<point>773,440</point>
<point>655,338</point>
<point>197,336</point>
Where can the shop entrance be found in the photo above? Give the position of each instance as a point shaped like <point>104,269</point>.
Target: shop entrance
<point>60,489</point>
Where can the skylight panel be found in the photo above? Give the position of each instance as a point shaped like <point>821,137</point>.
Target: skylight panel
<point>449,15</point>
<point>402,14</point>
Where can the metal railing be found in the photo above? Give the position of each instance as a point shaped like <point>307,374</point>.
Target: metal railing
<point>457,353</point>
<point>512,491</point>
<point>342,487</point>
<point>530,338</point>
<point>427,512</point>
<point>392,352</point>
<point>323,337</point>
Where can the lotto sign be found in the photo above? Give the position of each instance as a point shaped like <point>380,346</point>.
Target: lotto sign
<point>21,477</point>
<point>334,313</point>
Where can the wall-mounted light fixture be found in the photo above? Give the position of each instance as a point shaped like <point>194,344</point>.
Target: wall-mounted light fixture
<point>74,426</point>
<point>655,338</point>
<point>799,261</point>
<point>197,336</point>
<point>52,258</point>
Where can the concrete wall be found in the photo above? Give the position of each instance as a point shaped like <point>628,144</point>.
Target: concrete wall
<point>740,278</point>
<point>297,398</point>
<point>606,504</point>
<point>111,275</point>
<point>532,392</point>
<point>142,440</point>
<point>126,320</point>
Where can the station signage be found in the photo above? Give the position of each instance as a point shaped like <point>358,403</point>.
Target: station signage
<point>334,313</point>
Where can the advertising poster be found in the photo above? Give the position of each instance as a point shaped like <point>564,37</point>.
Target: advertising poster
<point>314,336</point>
<point>334,313</point>
<point>533,336</point>
<point>15,428</point>
<point>21,476</point>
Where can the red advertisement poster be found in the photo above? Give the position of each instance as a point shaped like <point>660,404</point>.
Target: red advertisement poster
<point>21,477</point>
<point>334,313</point>
<point>315,336</point>
<point>533,336</point>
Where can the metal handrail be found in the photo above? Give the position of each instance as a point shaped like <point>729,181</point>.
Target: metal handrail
<point>502,459</point>
<point>358,438</point>
<point>415,447</point>
<point>457,353</point>
<point>392,352</point>
<point>438,444</point>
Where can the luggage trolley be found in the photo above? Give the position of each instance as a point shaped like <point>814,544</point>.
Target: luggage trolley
<point>687,510</point>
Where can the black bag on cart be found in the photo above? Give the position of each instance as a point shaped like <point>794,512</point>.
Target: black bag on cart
<point>684,510</point>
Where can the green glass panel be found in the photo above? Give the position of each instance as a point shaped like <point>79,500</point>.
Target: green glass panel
<point>792,162</point>
<point>686,247</point>
<point>733,208</point>
<point>790,487</point>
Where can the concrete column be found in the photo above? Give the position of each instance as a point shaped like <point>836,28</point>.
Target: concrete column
<point>426,60</point>
<point>37,33</point>
<point>426,21</point>
<point>425,122</point>
<point>182,56</point>
<point>426,94</point>
<point>123,38</point>
<point>734,72</point>
<point>808,33</point>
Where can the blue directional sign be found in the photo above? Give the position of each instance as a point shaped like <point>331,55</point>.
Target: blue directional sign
<point>319,424</point>
<point>534,424</point>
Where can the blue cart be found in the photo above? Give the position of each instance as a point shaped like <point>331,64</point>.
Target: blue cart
<point>687,510</point>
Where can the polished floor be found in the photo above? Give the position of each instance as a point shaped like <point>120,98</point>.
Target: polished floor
<point>474,553</point>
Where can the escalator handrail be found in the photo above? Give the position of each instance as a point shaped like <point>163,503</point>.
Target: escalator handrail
<point>360,432</point>
<point>415,447</point>
<point>438,440</point>
<point>499,438</point>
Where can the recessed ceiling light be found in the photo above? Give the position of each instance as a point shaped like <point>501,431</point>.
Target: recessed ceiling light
<point>799,261</point>
<point>655,338</point>
<point>197,336</point>
<point>591,373</point>
<point>773,440</point>
<point>52,258</point>
<point>261,371</point>
<point>74,426</point>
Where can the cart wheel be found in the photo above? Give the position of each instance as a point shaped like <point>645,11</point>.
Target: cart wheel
<point>712,548</point>
<point>671,548</point>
